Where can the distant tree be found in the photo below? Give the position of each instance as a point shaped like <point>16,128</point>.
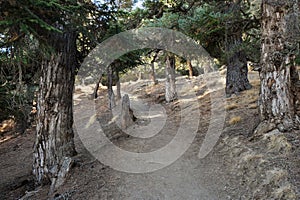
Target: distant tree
<point>279,79</point>
<point>223,28</point>
<point>153,73</point>
<point>170,90</point>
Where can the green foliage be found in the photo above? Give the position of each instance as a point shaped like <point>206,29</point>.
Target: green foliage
<point>168,20</point>
<point>26,27</point>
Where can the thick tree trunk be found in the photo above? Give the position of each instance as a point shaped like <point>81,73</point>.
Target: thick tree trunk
<point>237,71</point>
<point>280,36</point>
<point>190,67</point>
<point>54,143</point>
<point>97,87</point>
<point>170,79</point>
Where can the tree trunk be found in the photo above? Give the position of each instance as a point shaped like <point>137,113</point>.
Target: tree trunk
<point>280,36</point>
<point>190,67</point>
<point>97,87</point>
<point>237,71</point>
<point>111,95</point>
<point>140,76</point>
<point>152,74</point>
<point>170,79</point>
<point>118,85</point>
<point>54,143</point>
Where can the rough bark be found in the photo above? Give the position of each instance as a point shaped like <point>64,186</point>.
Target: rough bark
<point>280,35</point>
<point>54,143</point>
<point>237,71</point>
<point>170,79</point>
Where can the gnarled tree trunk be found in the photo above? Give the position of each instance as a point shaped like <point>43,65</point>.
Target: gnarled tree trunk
<point>237,71</point>
<point>280,35</point>
<point>170,79</point>
<point>54,143</point>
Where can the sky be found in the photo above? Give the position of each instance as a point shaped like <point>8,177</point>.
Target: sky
<point>137,4</point>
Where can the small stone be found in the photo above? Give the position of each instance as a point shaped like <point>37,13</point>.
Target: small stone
<point>281,127</point>
<point>264,127</point>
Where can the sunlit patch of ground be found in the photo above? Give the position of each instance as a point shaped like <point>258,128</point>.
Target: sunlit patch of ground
<point>250,168</point>
<point>7,130</point>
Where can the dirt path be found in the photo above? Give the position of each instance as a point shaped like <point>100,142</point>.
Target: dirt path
<point>188,177</point>
<point>239,166</point>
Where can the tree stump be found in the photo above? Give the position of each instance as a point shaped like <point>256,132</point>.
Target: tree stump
<point>126,118</point>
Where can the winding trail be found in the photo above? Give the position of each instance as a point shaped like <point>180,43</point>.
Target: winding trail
<point>188,177</point>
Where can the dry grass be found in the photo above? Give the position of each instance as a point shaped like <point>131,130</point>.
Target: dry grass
<point>7,125</point>
<point>279,143</point>
<point>251,92</point>
<point>231,106</point>
<point>234,120</point>
<point>253,106</point>
<point>255,83</point>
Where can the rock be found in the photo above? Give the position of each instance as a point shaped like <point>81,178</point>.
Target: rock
<point>272,133</point>
<point>263,128</point>
<point>281,128</point>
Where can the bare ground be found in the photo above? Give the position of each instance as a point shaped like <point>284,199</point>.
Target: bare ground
<point>240,166</point>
